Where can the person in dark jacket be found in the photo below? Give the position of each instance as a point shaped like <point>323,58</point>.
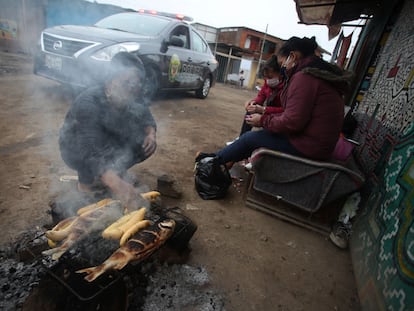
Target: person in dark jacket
<point>313,105</point>
<point>108,129</point>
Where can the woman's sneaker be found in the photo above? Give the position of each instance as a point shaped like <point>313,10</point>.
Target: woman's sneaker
<point>230,142</point>
<point>340,234</point>
<point>248,166</point>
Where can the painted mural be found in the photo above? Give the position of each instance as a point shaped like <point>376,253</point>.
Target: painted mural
<point>382,244</point>
<point>8,29</point>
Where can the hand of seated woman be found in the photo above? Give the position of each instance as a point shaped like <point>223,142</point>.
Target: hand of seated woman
<point>254,119</point>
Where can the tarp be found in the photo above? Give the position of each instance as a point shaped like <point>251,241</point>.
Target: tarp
<point>333,12</point>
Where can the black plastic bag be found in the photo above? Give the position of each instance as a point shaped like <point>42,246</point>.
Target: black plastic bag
<point>212,179</point>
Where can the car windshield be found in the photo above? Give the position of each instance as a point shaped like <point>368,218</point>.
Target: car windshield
<point>147,25</point>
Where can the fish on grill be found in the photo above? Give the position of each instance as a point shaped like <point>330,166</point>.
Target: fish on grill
<point>139,247</point>
<point>92,220</point>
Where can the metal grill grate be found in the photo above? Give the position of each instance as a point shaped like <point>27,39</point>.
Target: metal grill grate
<point>93,250</point>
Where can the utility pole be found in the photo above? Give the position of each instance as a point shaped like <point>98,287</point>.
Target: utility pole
<point>260,56</point>
<point>228,65</point>
<point>24,29</point>
<point>215,44</point>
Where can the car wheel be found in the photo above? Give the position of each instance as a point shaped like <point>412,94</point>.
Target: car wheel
<point>152,83</point>
<point>203,91</point>
<point>74,89</point>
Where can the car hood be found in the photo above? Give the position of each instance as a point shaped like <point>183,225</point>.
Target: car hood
<point>90,33</point>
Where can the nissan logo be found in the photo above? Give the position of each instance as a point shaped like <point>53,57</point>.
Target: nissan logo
<point>57,45</point>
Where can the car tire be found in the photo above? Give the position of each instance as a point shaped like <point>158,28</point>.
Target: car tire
<point>74,89</point>
<point>203,91</point>
<point>152,83</point>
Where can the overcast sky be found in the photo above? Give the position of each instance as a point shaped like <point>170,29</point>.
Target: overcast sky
<point>279,15</point>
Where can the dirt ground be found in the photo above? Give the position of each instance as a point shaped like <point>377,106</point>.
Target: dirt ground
<point>256,261</point>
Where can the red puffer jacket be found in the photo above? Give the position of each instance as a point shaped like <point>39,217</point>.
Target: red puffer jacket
<point>313,110</point>
<point>266,92</point>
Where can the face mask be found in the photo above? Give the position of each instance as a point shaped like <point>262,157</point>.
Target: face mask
<point>272,82</point>
<point>287,61</point>
<point>283,69</point>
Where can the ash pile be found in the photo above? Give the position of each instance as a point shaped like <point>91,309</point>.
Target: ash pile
<point>18,275</point>
<point>177,288</point>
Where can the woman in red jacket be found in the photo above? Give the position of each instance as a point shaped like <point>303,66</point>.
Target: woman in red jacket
<point>313,105</point>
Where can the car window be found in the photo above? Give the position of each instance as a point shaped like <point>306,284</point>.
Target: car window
<point>182,32</point>
<point>135,23</point>
<point>198,43</point>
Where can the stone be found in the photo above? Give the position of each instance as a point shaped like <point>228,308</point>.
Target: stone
<point>168,186</point>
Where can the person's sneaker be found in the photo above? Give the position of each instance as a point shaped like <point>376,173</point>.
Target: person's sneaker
<point>85,188</point>
<point>340,234</point>
<point>230,142</point>
<point>248,166</point>
<point>91,188</point>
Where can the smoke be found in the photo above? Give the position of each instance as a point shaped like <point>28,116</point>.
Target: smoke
<point>36,107</point>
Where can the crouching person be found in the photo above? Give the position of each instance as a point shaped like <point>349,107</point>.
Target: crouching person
<point>108,129</point>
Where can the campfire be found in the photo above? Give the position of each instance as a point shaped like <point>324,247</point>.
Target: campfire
<point>78,265</point>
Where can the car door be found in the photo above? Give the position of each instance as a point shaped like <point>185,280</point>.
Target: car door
<point>201,57</point>
<point>180,59</point>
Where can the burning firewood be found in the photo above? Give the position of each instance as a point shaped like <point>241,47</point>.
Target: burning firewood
<point>139,247</point>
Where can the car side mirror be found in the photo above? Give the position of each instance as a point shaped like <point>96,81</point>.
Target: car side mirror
<point>176,41</point>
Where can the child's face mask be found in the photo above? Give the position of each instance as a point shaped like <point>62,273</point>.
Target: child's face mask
<point>272,82</point>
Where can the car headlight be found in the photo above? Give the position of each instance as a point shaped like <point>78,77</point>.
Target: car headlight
<point>108,52</point>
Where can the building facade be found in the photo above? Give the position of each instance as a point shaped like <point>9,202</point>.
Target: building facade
<point>237,44</point>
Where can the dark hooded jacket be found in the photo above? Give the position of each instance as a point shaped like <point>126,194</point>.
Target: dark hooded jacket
<point>101,136</point>
<point>313,107</point>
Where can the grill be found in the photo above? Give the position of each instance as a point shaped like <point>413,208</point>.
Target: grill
<point>93,250</point>
<point>89,252</point>
<point>63,46</point>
